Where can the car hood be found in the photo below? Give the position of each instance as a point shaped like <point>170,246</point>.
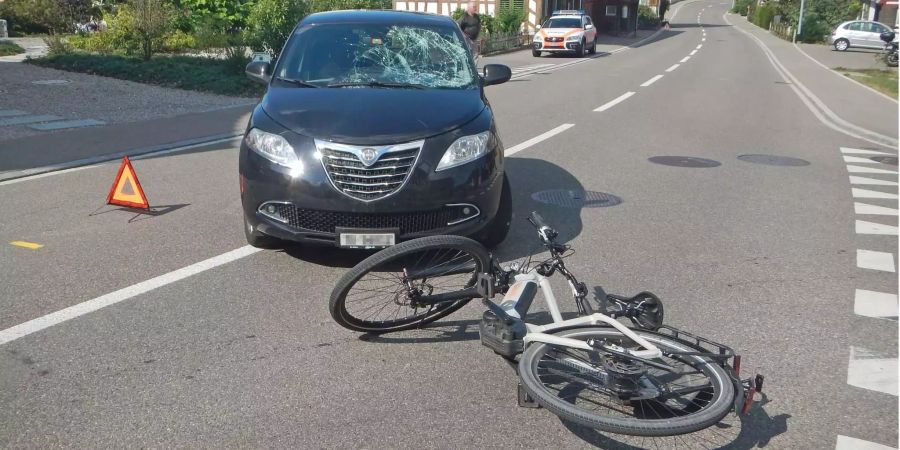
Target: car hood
<point>371,116</point>
<point>555,32</point>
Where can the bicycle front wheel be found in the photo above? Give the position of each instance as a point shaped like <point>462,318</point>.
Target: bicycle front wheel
<point>617,395</point>
<point>381,293</point>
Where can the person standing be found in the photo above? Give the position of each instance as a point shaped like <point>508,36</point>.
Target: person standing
<point>663,7</point>
<point>470,24</point>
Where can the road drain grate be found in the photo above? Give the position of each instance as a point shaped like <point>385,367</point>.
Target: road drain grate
<point>684,161</point>
<point>576,199</point>
<point>774,160</point>
<point>889,160</point>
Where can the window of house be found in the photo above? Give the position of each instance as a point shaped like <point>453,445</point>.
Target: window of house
<point>611,10</point>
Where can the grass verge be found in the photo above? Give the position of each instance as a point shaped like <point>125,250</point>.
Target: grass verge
<point>8,48</point>
<point>183,72</point>
<point>884,81</point>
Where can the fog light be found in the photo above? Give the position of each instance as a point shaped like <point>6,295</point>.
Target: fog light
<point>270,209</point>
<point>467,211</point>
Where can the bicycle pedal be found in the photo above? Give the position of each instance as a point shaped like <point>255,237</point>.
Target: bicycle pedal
<point>525,400</point>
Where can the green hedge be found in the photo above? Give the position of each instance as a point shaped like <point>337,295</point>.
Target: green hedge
<point>8,48</point>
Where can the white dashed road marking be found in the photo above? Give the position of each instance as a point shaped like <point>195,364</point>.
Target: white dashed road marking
<point>866,193</point>
<point>870,259</point>
<point>693,52</point>
<point>674,66</point>
<point>875,304</point>
<point>541,137</point>
<point>865,208</point>
<point>684,60</point>
<point>873,181</point>
<point>699,46</point>
<point>614,102</point>
<point>869,370</point>
<point>651,81</point>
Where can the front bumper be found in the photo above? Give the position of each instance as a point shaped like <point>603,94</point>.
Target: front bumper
<point>557,47</point>
<point>308,208</point>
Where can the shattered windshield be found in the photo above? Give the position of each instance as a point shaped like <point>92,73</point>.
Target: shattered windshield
<point>377,55</point>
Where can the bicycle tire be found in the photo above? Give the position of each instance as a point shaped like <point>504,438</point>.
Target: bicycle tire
<point>396,254</point>
<point>718,407</point>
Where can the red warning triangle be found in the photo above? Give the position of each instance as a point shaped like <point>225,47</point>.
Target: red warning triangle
<point>126,189</point>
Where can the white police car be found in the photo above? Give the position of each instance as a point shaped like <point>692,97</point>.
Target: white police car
<point>570,31</point>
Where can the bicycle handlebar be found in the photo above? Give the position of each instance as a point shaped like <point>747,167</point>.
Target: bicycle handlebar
<point>547,233</point>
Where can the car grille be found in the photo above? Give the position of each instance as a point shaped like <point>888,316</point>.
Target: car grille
<point>351,176</point>
<point>554,39</point>
<point>327,221</point>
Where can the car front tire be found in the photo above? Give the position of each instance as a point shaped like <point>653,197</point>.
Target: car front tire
<point>580,52</point>
<point>841,45</point>
<point>536,53</point>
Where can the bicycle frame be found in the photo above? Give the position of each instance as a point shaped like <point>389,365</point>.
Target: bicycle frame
<point>542,333</point>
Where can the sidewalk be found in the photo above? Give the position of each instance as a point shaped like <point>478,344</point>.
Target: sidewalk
<point>34,47</point>
<point>851,102</point>
<point>854,58</point>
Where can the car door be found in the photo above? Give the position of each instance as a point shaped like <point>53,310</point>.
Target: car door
<point>855,34</point>
<point>590,32</point>
<point>874,35</point>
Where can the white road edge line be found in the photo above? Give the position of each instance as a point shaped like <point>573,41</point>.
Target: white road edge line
<point>89,306</point>
<point>684,60</point>
<point>614,102</point>
<point>541,137</point>
<point>651,81</point>
<point>813,103</point>
<point>674,66</point>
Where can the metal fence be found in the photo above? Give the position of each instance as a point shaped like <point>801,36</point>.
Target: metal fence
<point>498,42</point>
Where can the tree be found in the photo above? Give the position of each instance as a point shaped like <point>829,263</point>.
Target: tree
<point>151,22</point>
<point>55,16</point>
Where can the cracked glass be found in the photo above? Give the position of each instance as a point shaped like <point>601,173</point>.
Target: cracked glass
<point>378,55</point>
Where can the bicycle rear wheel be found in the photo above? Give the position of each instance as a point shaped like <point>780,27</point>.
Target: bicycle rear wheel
<point>617,395</point>
<point>380,294</point>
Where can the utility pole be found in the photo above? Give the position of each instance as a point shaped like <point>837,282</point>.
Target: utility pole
<point>800,21</point>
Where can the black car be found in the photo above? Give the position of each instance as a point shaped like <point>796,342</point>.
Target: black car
<point>374,129</point>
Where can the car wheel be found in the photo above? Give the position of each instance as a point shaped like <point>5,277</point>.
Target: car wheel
<point>259,240</point>
<point>580,52</point>
<point>593,50</point>
<point>841,45</point>
<point>499,226</point>
<point>536,53</point>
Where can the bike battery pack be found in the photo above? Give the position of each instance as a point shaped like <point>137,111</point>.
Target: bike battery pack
<point>518,298</point>
<point>503,336</point>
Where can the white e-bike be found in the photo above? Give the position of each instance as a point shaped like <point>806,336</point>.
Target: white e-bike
<point>650,380</point>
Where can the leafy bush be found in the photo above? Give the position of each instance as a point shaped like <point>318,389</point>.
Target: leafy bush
<point>762,16</point>
<point>815,29</point>
<point>271,22</point>
<point>509,19</point>
<point>10,48</point>
<point>183,72</point>
<point>57,45</point>
<point>43,16</point>
<point>457,14</point>
<point>119,37</point>
<point>741,6</point>
<point>178,42</point>
<point>647,17</point>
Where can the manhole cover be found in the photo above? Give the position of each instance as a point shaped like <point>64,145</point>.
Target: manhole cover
<point>889,160</point>
<point>684,161</point>
<point>774,160</point>
<point>51,82</point>
<point>576,199</point>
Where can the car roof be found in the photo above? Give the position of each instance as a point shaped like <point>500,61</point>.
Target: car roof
<point>376,16</point>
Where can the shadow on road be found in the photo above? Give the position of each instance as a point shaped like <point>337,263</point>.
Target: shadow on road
<point>754,430</point>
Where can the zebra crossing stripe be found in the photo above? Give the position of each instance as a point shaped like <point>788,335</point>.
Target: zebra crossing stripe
<point>867,209</point>
<point>857,159</point>
<point>875,304</point>
<point>870,259</point>
<point>870,370</point>
<point>862,169</point>
<point>863,227</point>
<point>866,193</point>
<point>859,151</point>
<point>849,443</point>
<point>872,181</point>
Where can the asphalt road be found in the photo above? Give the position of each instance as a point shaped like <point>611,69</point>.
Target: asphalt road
<point>244,354</point>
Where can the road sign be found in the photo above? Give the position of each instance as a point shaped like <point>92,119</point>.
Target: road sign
<point>126,189</point>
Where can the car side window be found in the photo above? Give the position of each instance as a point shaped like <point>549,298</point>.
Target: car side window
<point>855,26</point>
<point>588,21</point>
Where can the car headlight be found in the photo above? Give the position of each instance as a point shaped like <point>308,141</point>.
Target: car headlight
<point>274,148</point>
<point>574,37</point>
<point>538,38</point>
<point>465,149</point>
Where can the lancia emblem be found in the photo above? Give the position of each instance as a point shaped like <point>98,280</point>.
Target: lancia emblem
<point>368,156</point>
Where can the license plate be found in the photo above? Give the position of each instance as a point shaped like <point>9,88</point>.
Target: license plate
<point>367,240</point>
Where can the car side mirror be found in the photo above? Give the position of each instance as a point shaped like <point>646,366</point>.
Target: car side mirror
<point>588,27</point>
<point>496,74</point>
<point>258,71</point>
<point>537,27</point>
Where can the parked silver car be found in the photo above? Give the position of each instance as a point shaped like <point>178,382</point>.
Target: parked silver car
<point>857,33</point>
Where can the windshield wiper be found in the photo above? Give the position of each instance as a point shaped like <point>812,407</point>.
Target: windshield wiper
<point>380,84</point>
<point>299,83</point>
